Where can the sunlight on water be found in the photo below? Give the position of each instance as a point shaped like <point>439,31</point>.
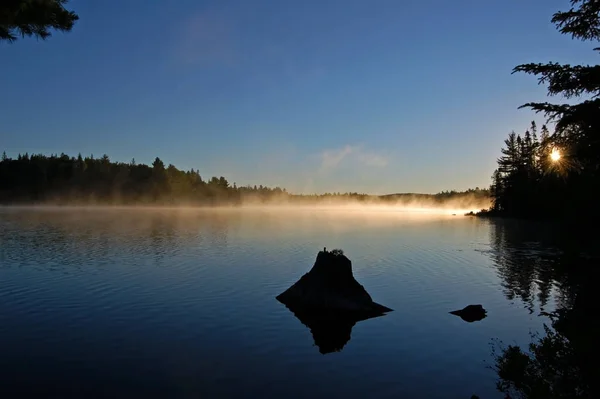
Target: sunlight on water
<point>372,214</point>
<point>158,300</point>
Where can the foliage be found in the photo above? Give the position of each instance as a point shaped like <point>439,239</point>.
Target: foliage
<point>579,121</point>
<point>527,182</point>
<point>64,179</point>
<point>337,252</point>
<point>77,180</point>
<point>34,18</point>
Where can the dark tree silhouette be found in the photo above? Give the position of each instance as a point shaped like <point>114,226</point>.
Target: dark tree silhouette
<point>62,179</point>
<point>582,22</point>
<point>555,177</point>
<point>34,18</point>
<point>578,125</point>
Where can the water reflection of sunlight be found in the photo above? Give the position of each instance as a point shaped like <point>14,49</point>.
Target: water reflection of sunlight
<point>367,210</point>
<point>169,228</point>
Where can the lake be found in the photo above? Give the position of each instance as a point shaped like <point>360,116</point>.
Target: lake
<point>126,303</point>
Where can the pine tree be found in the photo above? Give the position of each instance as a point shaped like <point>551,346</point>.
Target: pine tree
<point>497,191</point>
<point>509,160</point>
<point>158,165</point>
<point>529,153</point>
<point>80,163</point>
<point>578,125</point>
<point>34,18</point>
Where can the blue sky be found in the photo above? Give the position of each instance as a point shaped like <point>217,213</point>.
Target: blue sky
<point>374,96</point>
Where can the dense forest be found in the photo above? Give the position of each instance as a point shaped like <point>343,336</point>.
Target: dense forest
<point>536,179</point>
<point>556,174</point>
<point>63,179</point>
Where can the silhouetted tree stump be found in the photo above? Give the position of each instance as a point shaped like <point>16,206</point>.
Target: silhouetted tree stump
<point>330,285</point>
<point>329,301</point>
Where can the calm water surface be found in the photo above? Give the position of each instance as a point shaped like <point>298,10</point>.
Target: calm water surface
<point>181,304</point>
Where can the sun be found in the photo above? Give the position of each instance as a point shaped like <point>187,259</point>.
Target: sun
<point>555,155</point>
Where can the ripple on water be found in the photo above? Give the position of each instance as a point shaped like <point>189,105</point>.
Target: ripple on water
<point>183,304</point>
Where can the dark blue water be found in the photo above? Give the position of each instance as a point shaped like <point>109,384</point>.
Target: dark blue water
<point>181,304</point>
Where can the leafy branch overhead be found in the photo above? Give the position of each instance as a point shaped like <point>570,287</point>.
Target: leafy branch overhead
<point>579,123</point>
<point>570,81</point>
<point>581,21</point>
<point>34,18</point>
<point>554,177</point>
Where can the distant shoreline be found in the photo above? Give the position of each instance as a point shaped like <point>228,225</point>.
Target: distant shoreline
<point>63,180</point>
<point>235,198</point>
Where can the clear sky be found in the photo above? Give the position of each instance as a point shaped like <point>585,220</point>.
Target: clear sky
<point>374,96</point>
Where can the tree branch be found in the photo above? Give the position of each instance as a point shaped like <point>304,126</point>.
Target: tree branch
<point>582,22</point>
<point>570,81</point>
<point>34,18</point>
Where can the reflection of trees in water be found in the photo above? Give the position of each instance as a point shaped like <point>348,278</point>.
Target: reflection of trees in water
<point>64,239</point>
<point>562,362</point>
<point>33,240</point>
<point>216,226</point>
<point>44,242</point>
<point>525,266</point>
<point>163,235</point>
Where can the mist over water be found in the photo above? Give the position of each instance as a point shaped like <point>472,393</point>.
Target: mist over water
<point>406,205</point>
<point>177,302</point>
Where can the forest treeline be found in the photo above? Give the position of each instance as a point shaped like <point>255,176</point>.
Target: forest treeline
<point>556,175</point>
<point>537,178</point>
<point>64,179</point>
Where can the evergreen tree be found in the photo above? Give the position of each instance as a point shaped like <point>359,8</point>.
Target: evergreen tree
<point>508,162</point>
<point>79,180</point>
<point>579,124</point>
<point>536,177</point>
<point>34,18</point>
<point>497,190</point>
<point>158,165</point>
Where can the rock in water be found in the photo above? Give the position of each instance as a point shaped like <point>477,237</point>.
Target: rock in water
<point>471,313</point>
<point>330,285</point>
